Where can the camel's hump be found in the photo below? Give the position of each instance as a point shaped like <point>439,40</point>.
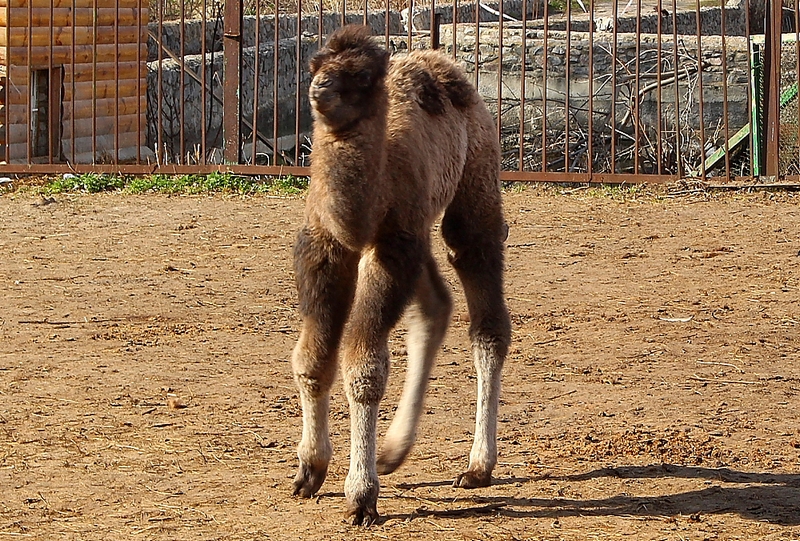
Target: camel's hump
<point>436,79</point>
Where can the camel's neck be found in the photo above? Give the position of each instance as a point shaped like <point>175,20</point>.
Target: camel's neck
<point>347,178</point>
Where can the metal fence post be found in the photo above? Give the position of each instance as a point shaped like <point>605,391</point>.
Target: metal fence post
<point>772,81</point>
<point>436,19</point>
<point>231,109</point>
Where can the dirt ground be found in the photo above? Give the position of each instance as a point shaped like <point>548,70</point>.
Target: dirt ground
<point>651,390</point>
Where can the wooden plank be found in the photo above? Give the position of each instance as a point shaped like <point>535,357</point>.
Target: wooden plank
<point>18,56</point>
<point>103,89</point>
<point>16,115</point>
<point>103,143</point>
<point>42,38</point>
<point>18,136</point>
<point>84,17</point>
<point>84,109</point>
<point>105,71</point>
<point>17,95</point>
<point>105,126</point>
<point>83,72</point>
<point>106,107</point>
<point>18,152</point>
<point>23,4</point>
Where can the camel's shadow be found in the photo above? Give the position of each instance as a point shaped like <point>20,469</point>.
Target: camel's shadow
<point>769,497</point>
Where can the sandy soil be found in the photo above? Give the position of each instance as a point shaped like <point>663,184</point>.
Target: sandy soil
<point>651,391</point>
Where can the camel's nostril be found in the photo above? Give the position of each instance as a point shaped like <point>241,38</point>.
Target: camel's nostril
<point>320,96</point>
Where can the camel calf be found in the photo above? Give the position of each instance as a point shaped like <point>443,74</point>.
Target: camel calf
<point>396,143</point>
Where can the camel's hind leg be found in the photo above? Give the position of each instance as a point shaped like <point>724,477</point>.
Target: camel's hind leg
<point>428,318</point>
<point>387,277</point>
<point>325,272</point>
<point>474,229</point>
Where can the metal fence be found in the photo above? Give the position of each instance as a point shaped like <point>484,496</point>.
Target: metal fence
<point>583,91</point>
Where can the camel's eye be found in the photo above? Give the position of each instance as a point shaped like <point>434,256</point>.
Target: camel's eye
<point>363,78</point>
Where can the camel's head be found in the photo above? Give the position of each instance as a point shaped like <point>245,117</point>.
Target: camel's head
<point>348,76</point>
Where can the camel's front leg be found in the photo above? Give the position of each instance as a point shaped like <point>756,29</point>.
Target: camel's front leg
<point>325,273</point>
<point>387,276</point>
<point>427,319</point>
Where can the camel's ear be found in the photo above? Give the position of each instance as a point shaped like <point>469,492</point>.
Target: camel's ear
<point>383,61</point>
<point>317,60</point>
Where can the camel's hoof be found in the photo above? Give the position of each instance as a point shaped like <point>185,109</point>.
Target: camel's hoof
<point>308,480</point>
<point>473,479</point>
<point>363,515</point>
<point>362,500</point>
<point>389,460</point>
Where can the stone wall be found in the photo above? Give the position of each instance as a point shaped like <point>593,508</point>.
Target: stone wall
<point>560,82</point>
<point>169,33</point>
<point>629,49</point>
<point>165,73</point>
<point>174,126</point>
<point>686,21</point>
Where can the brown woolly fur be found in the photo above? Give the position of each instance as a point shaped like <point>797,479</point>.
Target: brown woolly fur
<point>396,143</point>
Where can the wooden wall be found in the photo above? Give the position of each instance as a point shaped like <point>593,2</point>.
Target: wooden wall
<point>100,47</point>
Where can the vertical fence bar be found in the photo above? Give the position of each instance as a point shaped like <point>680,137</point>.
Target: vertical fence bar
<point>275,75</point>
<point>455,27</point>
<point>298,70</point>
<point>500,72</point>
<point>182,159</point>
<point>321,26</point>
<point>676,87</point>
<point>659,104</point>
<point>567,86</point>
<point>386,24</point>
<point>726,128</point>
<point>161,153</point>
<point>344,12</point>
<point>614,51</point>
<point>140,36</point>
<point>94,83</point>
<point>50,88</point>
<point>637,135</point>
<point>115,159</point>
<point>410,24</point>
<point>434,26</point>
<point>545,35</point>
<point>203,83</point>
<point>523,51</point>
<point>436,20</point>
<point>700,90</point>
<point>797,72</point>
<point>590,102</point>
<point>753,128</point>
<point>31,82</point>
<point>232,50</point>
<point>590,145</point>
<point>477,40</point>
<point>772,69</point>
<point>7,94</point>
<point>256,67</point>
